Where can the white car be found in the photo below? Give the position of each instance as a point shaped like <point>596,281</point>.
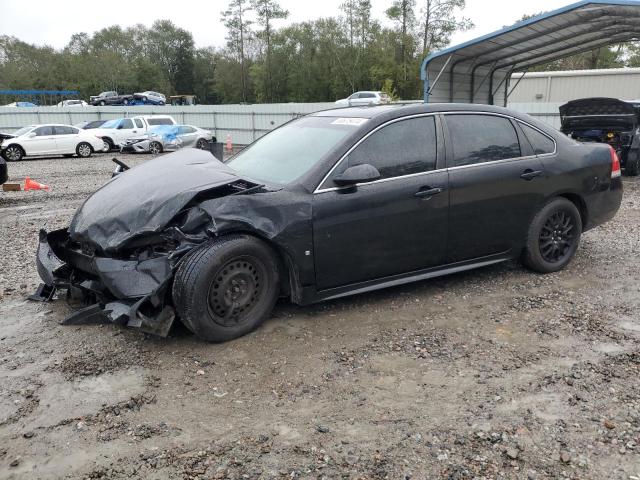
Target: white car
<point>72,103</point>
<point>50,139</point>
<point>364,98</point>
<point>116,132</point>
<point>153,98</point>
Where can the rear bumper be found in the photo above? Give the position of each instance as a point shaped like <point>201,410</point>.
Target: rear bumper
<point>122,291</point>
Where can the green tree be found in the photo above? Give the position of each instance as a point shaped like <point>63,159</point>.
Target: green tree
<point>238,35</point>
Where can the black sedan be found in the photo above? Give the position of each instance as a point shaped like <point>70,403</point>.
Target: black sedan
<point>332,204</point>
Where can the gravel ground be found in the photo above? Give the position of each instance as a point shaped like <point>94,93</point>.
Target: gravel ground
<point>496,373</point>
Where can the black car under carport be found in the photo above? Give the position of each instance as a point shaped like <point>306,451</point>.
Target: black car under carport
<point>332,204</point>
<point>605,120</point>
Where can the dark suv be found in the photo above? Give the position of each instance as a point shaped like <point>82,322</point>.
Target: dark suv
<point>606,120</point>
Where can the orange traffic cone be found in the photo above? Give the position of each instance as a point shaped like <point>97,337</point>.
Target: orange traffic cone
<point>33,185</point>
<point>229,143</point>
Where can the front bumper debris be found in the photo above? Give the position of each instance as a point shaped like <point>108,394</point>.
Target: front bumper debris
<point>125,292</point>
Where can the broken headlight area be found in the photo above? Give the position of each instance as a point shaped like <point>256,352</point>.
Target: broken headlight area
<point>131,288</point>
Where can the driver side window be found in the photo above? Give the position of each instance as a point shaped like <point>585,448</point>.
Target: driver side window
<point>401,148</point>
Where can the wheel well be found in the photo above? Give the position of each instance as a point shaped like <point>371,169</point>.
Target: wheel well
<point>24,153</point>
<point>80,143</point>
<point>288,276</point>
<point>108,139</point>
<point>580,205</point>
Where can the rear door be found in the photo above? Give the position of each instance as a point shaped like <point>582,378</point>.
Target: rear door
<point>394,225</point>
<point>496,185</point>
<point>66,138</point>
<point>188,136</point>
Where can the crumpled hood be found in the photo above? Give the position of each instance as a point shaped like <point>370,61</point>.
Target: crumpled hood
<point>146,198</point>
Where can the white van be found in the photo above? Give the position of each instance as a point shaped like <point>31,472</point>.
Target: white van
<point>115,132</point>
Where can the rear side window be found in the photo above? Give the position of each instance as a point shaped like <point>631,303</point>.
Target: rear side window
<point>540,142</point>
<point>60,130</point>
<point>401,148</point>
<point>44,131</point>
<point>185,130</point>
<point>482,138</point>
<point>367,95</point>
<point>159,121</point>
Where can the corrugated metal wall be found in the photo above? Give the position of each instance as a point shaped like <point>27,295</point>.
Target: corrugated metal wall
<point>244,123</point>
<point>548,113</point>
<point>551,87</point>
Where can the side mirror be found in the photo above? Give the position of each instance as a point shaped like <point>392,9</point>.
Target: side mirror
<point>32,135</point>
<point>357,174</point>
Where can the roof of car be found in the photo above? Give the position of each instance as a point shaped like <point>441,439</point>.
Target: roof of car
<point>401,110</point>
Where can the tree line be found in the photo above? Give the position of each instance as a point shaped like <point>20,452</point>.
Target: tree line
<point>264,60</point>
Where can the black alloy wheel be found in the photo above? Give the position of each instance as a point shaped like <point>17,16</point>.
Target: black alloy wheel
<point>202,144</point>
<point>557,237</point>
<point>553,237</point>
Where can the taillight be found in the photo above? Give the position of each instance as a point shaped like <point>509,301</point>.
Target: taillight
<point>616,171</point>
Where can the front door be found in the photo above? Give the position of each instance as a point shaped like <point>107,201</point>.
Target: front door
<point>496,185</point>
<point>43,143</point>
<point>394,225</point>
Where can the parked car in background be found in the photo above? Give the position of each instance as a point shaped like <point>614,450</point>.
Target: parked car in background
<point>88,125</point>
<point>4,173</point>
<point>72,103</point>
<point>605,120</point>
<point>110,98</point>
<point>364,98</point>
<point>168,137</point>
<point>182,100</point>
<point>153,98</point>
<point>336,203</point>
<point>21,104</point>
<point>115,132</point>
<point>49,139</point>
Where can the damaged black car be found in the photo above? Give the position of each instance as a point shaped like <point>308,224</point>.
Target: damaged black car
<point>606,120</point>
<point>332,204</point>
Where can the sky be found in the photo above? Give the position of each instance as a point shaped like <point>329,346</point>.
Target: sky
<point>50,25</point>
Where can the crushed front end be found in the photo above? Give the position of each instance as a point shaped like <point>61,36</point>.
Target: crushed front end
<point>132,289</point>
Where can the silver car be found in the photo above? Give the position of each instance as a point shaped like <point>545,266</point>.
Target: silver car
<point>168,137</point>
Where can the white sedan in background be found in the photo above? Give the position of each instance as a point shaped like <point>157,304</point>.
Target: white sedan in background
<point>364,98</point>
<point>50,139</point>
<point>72,103</point>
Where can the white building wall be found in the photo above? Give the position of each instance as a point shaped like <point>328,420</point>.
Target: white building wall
<point>551,87</point>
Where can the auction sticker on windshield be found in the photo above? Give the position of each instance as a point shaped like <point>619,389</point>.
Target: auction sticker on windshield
<point>356,122</point>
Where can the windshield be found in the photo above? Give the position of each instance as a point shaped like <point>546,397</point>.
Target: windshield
<point>22,131</point>
<point>112,123</point>
<point>289,152</point>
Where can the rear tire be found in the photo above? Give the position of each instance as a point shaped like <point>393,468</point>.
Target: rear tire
<point>202,144</point>
<point>553,237</point>
<point>108,144</point>
<point>102,103</point>
<point>632,166</point>
<point>84,150</point>
<point>226,288</point>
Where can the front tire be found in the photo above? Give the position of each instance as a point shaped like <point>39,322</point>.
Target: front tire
<point>102,103</point>
<point>155,148</point>
<point>202,144</point>
<point>13,153</point>
<point>107,145</point>
<point>553,237</point>
<point>84,150</point>
<point>226,288</point>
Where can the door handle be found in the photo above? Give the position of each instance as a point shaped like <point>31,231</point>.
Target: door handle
<point>529,174</point>
<point>428,192</point>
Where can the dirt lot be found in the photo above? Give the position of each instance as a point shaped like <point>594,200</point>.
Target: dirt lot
<point>497,373</point>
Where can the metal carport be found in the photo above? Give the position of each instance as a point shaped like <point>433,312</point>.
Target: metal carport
<point>479,71</point>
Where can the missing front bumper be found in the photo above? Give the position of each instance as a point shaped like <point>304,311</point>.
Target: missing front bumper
<point>125,292</point>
